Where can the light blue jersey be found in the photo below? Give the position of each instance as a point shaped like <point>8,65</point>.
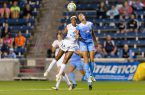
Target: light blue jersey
<point>85,31</point>
<point>75,60</point>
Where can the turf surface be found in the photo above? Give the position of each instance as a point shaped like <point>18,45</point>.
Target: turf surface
<point>44,88</point>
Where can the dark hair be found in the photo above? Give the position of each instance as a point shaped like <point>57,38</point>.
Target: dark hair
<point>19,32</point>
<point>15,1</point>
<point>4,3</point>
<point>58,33</point>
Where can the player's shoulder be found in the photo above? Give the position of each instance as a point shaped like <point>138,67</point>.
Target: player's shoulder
<point>79,25</point>
<point>89,22</point>
<point>55,41</point>
<point>69,25</point>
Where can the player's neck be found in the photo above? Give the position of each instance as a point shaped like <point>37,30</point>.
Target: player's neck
<point>74,25</point>
<point>84,21</point>
<point>59,40</point>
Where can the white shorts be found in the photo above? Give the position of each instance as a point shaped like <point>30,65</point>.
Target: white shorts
<point>59,62</point>
<point>67,45</point>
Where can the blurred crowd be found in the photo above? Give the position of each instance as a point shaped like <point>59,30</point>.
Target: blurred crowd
<point>126,13</point>
<point>13,46</point>
<point>109,49</point>
<point>130,14</point>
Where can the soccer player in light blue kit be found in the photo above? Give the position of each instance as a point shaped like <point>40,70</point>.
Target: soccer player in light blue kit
<point>76,63</point>
<point>87,47</point>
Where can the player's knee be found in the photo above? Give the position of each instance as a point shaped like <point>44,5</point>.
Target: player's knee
<point>63,74</point>
<point>65,61</point>
<point>92,59</point>
<point>57,58</point>
<point>70,70</point>
<point>86,60</point>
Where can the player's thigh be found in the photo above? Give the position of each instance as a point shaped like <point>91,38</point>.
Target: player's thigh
<point>85,56</point>
<point>83,46</point>
<point>59,55</point>
<point>67,56</point>
<point>84,51</point>
<point>91,46</point>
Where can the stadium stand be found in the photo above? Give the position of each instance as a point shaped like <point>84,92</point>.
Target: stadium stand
<point>23,23</point>
<point>107,25</point>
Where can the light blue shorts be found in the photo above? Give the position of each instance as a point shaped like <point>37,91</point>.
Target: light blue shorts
<point>77,64</point>
<point>87,46</point>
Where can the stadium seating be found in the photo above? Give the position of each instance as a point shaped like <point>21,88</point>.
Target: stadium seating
<point>21,24</point>
<point>102,27</point>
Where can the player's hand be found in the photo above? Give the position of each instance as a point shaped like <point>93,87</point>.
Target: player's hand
<point>77,36</point>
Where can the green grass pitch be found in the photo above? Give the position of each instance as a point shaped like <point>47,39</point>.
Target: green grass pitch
<point>44,88</point>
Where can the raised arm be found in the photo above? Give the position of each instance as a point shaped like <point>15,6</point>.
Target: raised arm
<point>77,34</point>
<point>65,31</point>
<point>53,49</point>
<point>94,37</point>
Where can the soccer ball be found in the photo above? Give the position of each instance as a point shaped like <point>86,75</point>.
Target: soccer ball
<point>71,7</point>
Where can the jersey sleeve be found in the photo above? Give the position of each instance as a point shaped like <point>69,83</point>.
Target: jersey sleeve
<point>67,26</point>
<point>92,26</point>
<point>77,28</point>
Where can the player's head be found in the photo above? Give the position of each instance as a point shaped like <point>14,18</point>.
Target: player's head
<point>81,17</point>
<point>73,20</point>
<point>59,36</point>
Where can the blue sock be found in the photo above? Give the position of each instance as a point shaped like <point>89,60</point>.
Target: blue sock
<point>91,65</point>
<point>86,68</point>
<point>72,77</point>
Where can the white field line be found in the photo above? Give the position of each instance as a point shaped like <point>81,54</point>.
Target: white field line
<point>77,89</point>
<point>38,89</point>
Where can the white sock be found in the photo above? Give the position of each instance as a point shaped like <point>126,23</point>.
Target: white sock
<point>51,65</point>
<point>62,67</point>
<point>58,83</point>
<point>65,77</point>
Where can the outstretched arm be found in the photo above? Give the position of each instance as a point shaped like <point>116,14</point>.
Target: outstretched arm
<point>94,37</point>
<point>53,49</point>
<point>77,34</point>
<point>65,32</point>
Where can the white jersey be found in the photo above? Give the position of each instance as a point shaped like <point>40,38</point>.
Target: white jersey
<point>68,43</point>
<point>56,44</point>
<point>71,32</point>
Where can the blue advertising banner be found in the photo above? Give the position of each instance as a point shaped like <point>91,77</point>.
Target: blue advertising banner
<point>115,71</point>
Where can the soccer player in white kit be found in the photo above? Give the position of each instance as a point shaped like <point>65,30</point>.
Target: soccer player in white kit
<point>55,49</point>
<point>67,47</point>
